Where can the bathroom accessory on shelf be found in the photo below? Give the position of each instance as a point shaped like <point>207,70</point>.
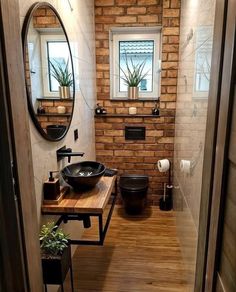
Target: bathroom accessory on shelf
<point>51,187</point>
<point>166,202</point>
<point>155,110</point>
<point>61,109</point>
<point>110,172</point>
<point>67,152</point>
<point>40,109</point>
<point>99,110</point>
<point>132,110</point>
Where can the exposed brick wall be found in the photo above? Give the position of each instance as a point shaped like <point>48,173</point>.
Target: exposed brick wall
<point>50,107</point>
<point>45,17</point>
<point>111,146</point>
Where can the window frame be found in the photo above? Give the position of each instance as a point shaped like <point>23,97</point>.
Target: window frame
<point>200,47</point>
<point>117,34</point>
<point>44,39</point>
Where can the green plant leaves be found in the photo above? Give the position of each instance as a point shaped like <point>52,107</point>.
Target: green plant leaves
<point>52,240</point>
<point>61,73</point>
<point>134,73</point>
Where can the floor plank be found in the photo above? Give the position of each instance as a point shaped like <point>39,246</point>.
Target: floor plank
<point>140,254</point>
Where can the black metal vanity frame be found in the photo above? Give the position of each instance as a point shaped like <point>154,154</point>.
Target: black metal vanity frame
<point>79,216</point>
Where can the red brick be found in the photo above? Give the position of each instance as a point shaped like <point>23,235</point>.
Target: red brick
<point>136,10</point>
<point>171,31</point>
<point>126,19</point>
<point>104,152</point>
<point>173,56</point>
<point>98,11</point>
<point>175,4</point>
<point>113,11</point>
<point>123,153</point>
<point>154,10</point>
<point>104,139</point>
<point>170,48</point>
<point>115,133</point>
<point>173,39</point>
<point>125,2</point>
<point>148,18</point>
<point>170,12</point>
<point>148,2</point>
<point>104,19</point>
<point>104,2</point>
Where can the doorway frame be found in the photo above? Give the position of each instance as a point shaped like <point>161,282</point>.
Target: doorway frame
<point>19,135</point>
<point>210,144</point>
<point>213,282</point>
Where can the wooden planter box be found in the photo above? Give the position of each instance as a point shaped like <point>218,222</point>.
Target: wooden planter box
<point>56,268</point>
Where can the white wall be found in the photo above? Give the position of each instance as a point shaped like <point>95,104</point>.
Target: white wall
<point>190,126</point>
<point>79,25</point>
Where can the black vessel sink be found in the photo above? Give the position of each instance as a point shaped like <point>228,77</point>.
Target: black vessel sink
<point>83,175</point>
<point>55,131</point>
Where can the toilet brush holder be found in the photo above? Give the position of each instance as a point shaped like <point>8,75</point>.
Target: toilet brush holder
<point>166,202</point>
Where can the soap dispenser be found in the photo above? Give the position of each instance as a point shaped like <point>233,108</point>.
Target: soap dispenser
<point>51,187</point>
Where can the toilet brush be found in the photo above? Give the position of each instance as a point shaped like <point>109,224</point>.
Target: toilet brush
<point>166,202</point>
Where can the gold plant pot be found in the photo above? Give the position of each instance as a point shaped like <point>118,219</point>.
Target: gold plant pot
<point>133,92</point>
<point>64,91</point>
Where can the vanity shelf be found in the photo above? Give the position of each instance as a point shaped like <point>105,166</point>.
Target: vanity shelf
<point>127,116</point>
<point>54,99</point>
<point>84,204</point>
<point>54,115</point>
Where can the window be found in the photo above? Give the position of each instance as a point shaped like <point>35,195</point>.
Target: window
<point>135,46</point>
<point>54,48</point>
<point>203,47</point>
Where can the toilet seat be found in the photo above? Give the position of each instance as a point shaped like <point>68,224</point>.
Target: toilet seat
<point>133,182</point>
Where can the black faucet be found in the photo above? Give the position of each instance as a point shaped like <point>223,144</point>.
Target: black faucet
<point>67,152</point>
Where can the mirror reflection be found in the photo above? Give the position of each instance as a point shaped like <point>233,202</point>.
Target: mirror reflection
<point>49,72</point>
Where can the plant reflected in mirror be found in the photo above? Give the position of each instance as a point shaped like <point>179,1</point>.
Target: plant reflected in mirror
<point>48,71</point>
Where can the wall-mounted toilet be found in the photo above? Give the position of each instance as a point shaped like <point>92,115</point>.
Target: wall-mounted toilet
<point>133,190</point>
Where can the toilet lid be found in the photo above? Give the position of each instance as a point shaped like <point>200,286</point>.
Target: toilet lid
<point>133,183</point>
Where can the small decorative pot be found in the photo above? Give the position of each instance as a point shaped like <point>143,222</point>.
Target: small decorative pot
<point>55,268</point>
<point>64,91</point>
<point>61,109</point>
<point>132,110</point>
<point>133,92</point>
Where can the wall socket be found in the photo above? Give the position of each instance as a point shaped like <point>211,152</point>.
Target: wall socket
<point>76,135</point>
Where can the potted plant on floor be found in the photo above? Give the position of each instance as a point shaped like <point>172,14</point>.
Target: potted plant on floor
<point>63,76</point>
<point>133,76</point>
<point>55,254</point>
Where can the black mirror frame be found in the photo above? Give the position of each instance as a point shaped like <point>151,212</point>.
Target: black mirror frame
<point>24,33</point>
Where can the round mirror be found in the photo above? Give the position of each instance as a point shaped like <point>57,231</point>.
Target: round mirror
<point>49,75</point>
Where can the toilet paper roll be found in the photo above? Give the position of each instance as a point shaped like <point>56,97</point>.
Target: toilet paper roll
<point>185,166</point>
<point>163,165</point>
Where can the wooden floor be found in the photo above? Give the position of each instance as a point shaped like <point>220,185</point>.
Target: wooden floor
<point>140,254</point>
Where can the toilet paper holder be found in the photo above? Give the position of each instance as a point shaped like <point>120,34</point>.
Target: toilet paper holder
<point>166,202</point>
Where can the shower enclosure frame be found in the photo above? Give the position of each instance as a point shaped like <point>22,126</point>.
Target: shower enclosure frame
<point>210,209</point>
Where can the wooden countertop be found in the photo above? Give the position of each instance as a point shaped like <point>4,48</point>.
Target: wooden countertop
<point>91,201</point>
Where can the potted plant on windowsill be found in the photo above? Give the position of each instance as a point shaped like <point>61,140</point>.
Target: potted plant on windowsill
<point>63,76</point>
<point>55,254</point>
<point>133,76</point>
